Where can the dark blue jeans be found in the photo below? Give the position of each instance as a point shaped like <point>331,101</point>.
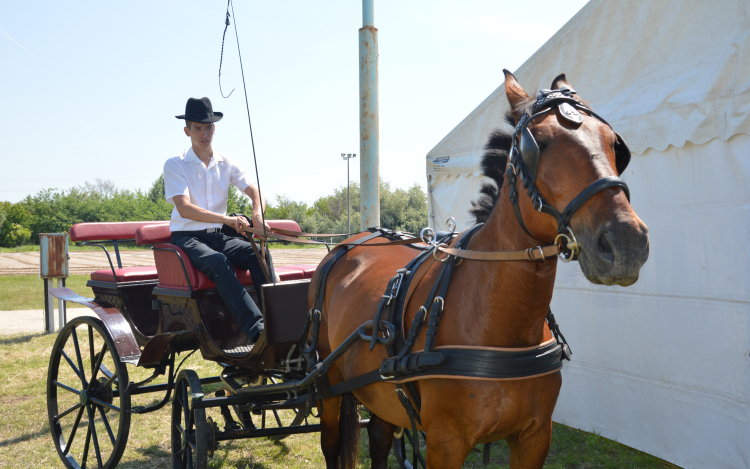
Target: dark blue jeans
<point>216,255</point>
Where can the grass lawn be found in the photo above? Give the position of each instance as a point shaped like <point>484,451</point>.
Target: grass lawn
<point>25,439</point>
<point>19,292</point>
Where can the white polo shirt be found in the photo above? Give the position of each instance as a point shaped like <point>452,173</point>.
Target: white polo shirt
<point>207,187</point>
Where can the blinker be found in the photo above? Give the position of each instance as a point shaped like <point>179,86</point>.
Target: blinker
<point>622,154</point>
<point>529,153</point>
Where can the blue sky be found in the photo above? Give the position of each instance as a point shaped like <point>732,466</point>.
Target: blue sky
<point>90,89</point>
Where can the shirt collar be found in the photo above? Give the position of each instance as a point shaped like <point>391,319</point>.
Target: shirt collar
<point>191,156</point>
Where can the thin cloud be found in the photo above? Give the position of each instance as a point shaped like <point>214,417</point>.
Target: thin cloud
<point>91,131</point>
<point>19,44</point>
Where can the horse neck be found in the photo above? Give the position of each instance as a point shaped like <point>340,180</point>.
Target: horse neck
<point>515,295</point>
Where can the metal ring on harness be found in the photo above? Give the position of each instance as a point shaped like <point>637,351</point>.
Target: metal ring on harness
<point>434,252</point>
<point>571,245</point>
<point>451,224</point>
<point>511,166</point>
<point>427,230</point>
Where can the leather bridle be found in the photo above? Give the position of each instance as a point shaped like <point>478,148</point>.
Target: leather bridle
<point>524,161</point>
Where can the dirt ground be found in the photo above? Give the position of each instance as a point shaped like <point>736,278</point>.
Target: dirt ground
<point>27,263</point>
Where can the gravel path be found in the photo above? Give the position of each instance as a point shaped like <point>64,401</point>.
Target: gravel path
<point>27,263</point>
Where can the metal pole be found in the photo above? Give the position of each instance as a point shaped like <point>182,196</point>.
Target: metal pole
<point>369,131</point>
<point>50,305</point>
<point>348,201</point>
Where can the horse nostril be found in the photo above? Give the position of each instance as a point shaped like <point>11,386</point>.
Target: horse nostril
<point>603,247</point>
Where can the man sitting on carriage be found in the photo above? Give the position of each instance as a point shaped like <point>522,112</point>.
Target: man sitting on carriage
<point>196,182</point>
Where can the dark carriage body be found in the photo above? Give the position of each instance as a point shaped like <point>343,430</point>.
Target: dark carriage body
<point>146,317</point>
<point>171,307</point>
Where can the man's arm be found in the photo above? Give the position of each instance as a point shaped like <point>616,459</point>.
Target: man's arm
<point>259,206</point>
<point>193,212</point>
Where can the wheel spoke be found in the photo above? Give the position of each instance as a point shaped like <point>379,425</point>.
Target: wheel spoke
<point>106,425</point>
<point>188,456</point>
<point>70,362</point>
<point>99,360</point>
<point>60,416</point>
<point>86,447</point>
<point>104,404</point>
<point>93,434</point>
<point>106,371</point>
<point>278,420</point>
<point>110,379</point>
<point>66,387</point>
<point>91,349</point>
<point>185,410</point>
<point>78,357</point>
<point>73,431</point>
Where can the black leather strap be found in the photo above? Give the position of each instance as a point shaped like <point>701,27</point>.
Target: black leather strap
<point>593,189</point>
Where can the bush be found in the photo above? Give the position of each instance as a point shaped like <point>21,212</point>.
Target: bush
<point>13,234</point>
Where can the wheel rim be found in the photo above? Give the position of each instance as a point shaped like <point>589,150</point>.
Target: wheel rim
<point>89,415</point>
<point>189,429</point>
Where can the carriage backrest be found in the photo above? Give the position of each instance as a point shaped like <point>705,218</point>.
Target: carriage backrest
<point>110,231</point>
<point>159,233</point>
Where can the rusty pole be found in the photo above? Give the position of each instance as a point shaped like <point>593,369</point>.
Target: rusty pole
<point>369,132</point>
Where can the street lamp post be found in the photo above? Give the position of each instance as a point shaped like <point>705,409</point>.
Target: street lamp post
<point>347,157</point>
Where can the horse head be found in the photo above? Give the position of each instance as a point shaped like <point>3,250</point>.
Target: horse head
<point>563,171</point>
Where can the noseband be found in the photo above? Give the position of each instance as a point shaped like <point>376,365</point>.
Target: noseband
<point>524,162</point>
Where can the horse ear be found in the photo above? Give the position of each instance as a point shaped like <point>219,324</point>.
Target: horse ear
<point>559,82</point>
<point>515,93</point>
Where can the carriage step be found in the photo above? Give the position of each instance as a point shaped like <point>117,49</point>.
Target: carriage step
<point>239,351</point>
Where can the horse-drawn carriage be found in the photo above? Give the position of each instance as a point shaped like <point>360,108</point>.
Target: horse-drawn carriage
<point>457,324</point>
<point>145,316</point>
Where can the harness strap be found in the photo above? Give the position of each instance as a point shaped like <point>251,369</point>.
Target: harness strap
<point>276,234</point>
<point>537,253</point>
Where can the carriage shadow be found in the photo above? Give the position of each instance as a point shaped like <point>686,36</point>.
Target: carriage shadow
<point>157,456</point>
<point>20,339</point>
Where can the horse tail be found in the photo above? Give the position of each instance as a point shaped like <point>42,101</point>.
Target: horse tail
<point>349,430</point>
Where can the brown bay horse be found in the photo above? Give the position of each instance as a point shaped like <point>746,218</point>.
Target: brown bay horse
<point>488,304</point>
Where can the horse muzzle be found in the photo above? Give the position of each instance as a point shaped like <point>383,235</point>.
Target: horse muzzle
<point>615,252</point>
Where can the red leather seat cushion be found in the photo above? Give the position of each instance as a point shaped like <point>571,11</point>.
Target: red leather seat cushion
<point>130,274</point>
<point>109,230</point>
<point>307,269</point>
<point>171,274</point>
<point>152,234</point>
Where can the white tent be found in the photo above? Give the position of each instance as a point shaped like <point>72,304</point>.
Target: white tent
<point>664,365</point>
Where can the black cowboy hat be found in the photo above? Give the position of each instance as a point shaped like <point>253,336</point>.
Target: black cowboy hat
<point>200,110</point>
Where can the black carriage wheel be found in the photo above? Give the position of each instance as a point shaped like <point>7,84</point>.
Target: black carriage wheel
<point>189,428</point>
<point>88,402</point>
<point>402,449</point>
<point>299,417</point>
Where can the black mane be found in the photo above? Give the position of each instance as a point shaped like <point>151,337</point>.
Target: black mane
<point>494,163</point>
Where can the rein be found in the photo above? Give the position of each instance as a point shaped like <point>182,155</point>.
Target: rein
<point>537,253</point>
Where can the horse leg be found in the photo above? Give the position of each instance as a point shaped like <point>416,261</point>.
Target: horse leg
<point>380,435</point>
<point>446,449</point>
<point>529,448</point>
<point>339,432</point>
<point>330,435</point>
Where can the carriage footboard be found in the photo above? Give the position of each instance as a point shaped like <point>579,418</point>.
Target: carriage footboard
<point>116,324</point>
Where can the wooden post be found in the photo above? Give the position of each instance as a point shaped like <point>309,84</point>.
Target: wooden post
<point>53,263</point>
